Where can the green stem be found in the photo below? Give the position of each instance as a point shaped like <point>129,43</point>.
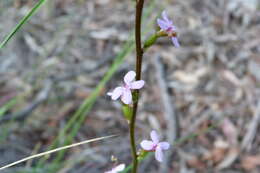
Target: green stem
<point>139,57</point>
<point>152,39</point>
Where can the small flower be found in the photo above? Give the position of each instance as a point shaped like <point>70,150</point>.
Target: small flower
<point>125,91</point>
<point>117,169</point>
<point>167,26</point>
<point>155,145</point>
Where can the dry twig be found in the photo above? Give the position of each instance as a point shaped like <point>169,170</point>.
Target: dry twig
<point>252,129</point>
<point>168,107</point>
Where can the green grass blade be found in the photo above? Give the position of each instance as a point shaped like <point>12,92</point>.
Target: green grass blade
<point>22,22</point>
<point>7,106</point>
<point>5,127</point>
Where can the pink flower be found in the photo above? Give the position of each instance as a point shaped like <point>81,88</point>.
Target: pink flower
<point>117,169</point>
<point>167,26</point>
<point>155,145</point>
<point>125,91</point>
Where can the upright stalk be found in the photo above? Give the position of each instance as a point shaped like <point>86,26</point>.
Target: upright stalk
<point>139,57</point>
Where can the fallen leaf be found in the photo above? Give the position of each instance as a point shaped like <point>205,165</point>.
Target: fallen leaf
<point>250,162</point>
<point>230,131</point>
<point>195,162</point>
<point>229,159</point>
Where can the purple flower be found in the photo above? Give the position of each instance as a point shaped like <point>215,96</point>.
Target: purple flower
<point>155,145</point>
<point>167,26</point>
<point>117,169</point>
<point>125,91</point>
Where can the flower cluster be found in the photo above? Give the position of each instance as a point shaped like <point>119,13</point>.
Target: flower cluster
<point>124,92</point>
<point>167,26</point>
<point>155,145</point>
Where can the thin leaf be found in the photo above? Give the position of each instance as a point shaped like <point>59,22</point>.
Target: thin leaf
<point>22,22</point>
<point>55,150</point>
<point>7,106</point>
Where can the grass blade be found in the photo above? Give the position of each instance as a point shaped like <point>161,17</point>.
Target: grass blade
<point>22,22</point>
<point>55,150</point>
<point>7,106</point>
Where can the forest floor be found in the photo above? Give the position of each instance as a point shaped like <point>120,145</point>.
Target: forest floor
<point>206,93</point>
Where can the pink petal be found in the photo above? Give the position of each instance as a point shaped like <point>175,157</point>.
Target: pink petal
<point>163,25</point>
<point>165,17</point>
<point>129,77</point>
<point>154,137</point>
<point>175,42</point>
<point>164,145</point>
<point>137,84</point>
<point>159,154</point>
<point>147,145</point>
<point>117,92</point>
<point>120,167</point>
<point>127,96</point>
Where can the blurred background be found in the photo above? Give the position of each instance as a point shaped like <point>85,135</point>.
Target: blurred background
<point>203,95</point>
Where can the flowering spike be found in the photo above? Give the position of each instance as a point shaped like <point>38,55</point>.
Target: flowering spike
<point>124,92</point>
<point>167,26</point>
<point>155,145</point>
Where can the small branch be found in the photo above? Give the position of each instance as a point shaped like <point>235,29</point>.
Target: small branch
<point>252,129</point>
<point>168,107</point>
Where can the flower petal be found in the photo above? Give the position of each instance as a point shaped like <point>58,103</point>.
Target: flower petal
<point>159,154</point>
<point>127,96</point>
<point>164,145</point>
<point>162,24</point>
<point>154,137</point>
<point>175,42</point>
<point>147,145</point>
<point>120,167</point>
<point>165,17</point>
<point>137,84</point>
<point>117,92</point>
<point>129,77</point>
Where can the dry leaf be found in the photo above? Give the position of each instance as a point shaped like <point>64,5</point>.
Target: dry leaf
<point>250,162</point>
<point>230,131</point>
<point>231,77</point>
<point>195,162</point>
<point>216,155</point>
<point>191,78</point>
<point>230,158</point>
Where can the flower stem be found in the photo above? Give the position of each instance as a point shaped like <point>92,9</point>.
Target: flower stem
<point>139,57</point>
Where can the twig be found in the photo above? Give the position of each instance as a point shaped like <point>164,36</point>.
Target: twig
<point>168,107</point>
<point>196,123</point>
<point>252,130</point>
